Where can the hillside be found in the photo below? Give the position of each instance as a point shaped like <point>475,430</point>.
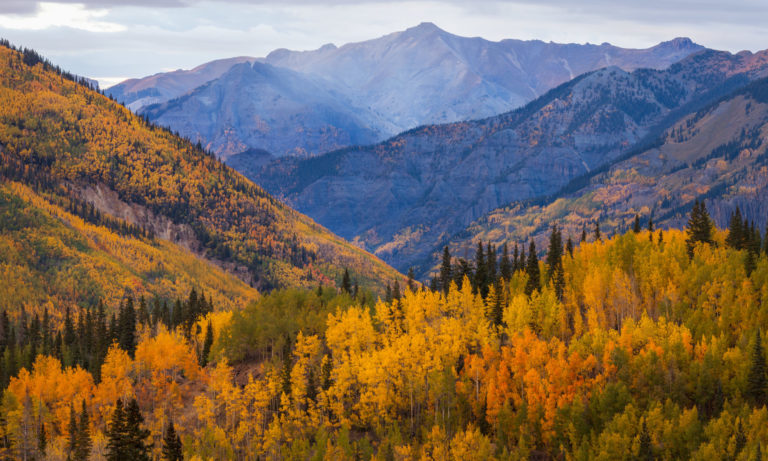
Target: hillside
<point>422,75</point>
<point>717,154</point>
<point>69,143</point>
<point>51,258</point>
<point>646,353</point>
<point>432,182</point>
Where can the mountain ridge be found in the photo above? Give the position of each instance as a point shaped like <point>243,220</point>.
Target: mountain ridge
<point>422,75</point>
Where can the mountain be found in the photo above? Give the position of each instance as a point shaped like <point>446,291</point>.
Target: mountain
<point>425,75</point>
<point>430,183</point>
<point>67,145</point>
<point>379,87</point>
<point>256,104</point>
<point>136,93</point>
<point>717,154</point>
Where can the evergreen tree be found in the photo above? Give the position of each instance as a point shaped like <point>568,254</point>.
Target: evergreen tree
<point>650,224</point>
<point>411,281</point>
<point>699,227</point>
<point>765,240</point>
<point>555,252</point>
<point>72,443</point>
<point>396,290</point>
<point>569,246</point>
<point>497,304</point>
<point>505,268</point>
<point>583,233</point>
<point>740,439</point>
<point>445,270</point>
<point>69,329</point>
<point>83,449</point>
<point>491,265</point>
<point>516,260</point>
<point>117,434</point>
<point>137,448</point>
<point>597,231</point>
<point>346,283</point>
<point>645,450</point>
<point>207,344</point>
<point>532,268</point>
<point>756,377</point>
<point>735,238</point>
<point>171,444</point>
<point>636,225</point>
<point>127,328</point>
<point>481,271</point>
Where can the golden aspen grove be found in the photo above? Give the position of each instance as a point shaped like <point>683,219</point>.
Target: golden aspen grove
<point>154,304</point>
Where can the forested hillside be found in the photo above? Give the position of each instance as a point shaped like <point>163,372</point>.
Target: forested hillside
<point>641,346</point>
<point>717,154</point>
<point>76,147</point>
<point>431,182</point>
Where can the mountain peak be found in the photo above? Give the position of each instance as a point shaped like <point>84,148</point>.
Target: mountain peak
<point>679,43</point>
<point>423,29</point>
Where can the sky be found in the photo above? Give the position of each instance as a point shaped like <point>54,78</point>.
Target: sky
<point>111,40</point>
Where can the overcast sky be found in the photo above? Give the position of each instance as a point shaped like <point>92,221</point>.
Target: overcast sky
<point>111,40</point>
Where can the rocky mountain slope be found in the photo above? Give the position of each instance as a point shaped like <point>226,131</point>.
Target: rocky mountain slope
<point>379,87</point>
<point>718,154</point>
<point>256,104</point>
<point>77,149</point>
<point>432,182</point>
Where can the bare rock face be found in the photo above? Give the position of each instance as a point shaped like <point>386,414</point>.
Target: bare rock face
<point>401,197</point>
<point>368,91</point>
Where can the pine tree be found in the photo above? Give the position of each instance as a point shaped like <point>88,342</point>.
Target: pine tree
<point>481,271</point>
<point>516,260</point>
<point>735,238</point>
<point>83,450</point>
<point>137,448</point>
<point>207,343</point>
<point>636,224</point>
<point>491,265</point>
<point>645,450</point>
<point>532,268</point>
<point>555,252</point>
<point>411,281</point>
<point>756,378</point>
<point>396,290</point>
<point>72,445</point>
<point>699,227</point>
<point>650,224</point>
<point>171,444</point>
<point>505,268</point>
<point>583,233</point>
<point>117,434</point>
<point>127,328</point>
<point>740,439</point>
<point>346,283</point>
<point>445,270</point>
<point>569,246</point>
<point>597,231</point>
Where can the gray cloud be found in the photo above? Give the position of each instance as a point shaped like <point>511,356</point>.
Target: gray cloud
<point>189,32</point>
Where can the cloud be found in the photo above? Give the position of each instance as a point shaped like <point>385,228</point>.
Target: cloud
<point>100,39</point>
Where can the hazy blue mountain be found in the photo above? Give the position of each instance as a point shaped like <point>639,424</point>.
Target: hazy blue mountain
<point>429,183</point>
<point>256,105</point>
<point>419,76</point>
<point>137,93</point>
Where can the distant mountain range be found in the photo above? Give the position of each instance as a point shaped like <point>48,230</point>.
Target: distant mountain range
<point>364,92</point>
<point>407,196</point>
